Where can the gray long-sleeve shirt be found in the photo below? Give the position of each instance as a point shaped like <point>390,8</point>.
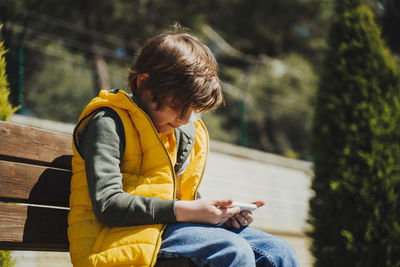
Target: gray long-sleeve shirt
<point>101,144</point>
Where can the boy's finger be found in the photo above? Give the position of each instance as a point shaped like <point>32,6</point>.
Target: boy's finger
<point>259,203</point>
<point>241,220</point>
<point>222,202</point>
<point>230,211</point>
<point>247,214</point>
<point>235,223</point>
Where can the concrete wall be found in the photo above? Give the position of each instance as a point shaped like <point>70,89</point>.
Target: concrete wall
<point>247,175</point>
<point>232,172</point>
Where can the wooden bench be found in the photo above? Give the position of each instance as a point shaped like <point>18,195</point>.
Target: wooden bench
<point>35,173</point>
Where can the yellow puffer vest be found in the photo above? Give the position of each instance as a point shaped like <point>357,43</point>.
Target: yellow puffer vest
<point>146,170</point>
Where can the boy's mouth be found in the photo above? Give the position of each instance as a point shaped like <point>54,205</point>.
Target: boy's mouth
<point>173,126</point>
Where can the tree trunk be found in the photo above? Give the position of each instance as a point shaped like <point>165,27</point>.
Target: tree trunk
<point>100,73</point>
<point>96,57</point>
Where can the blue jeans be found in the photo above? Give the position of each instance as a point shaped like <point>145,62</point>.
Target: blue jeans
<point>220,246</point>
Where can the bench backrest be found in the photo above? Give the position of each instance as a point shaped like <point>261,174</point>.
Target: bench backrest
<point>35,173</point>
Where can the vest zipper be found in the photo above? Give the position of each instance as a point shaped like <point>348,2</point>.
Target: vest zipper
<point>154,258</point>
<point>155,253</point>
<point>159,139</point>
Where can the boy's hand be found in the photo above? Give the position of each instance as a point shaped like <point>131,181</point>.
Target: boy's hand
<point>244,218</point>
<point>206,211</point>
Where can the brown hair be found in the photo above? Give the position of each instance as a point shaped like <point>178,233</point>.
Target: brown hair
<point>182,71</point>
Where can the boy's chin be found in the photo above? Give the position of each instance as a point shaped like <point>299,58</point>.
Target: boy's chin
<point>165,129</point>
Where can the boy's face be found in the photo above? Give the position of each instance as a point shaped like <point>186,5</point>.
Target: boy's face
<point>165,119</point>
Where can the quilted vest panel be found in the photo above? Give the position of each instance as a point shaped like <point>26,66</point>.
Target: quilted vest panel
<point>147,170</point>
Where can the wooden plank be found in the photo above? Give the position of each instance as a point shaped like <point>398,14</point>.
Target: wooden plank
<point>20,182</point>
<point>33,228</point>
<point>28,144</point>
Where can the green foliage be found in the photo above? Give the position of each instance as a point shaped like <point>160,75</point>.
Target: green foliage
<point>259,27</point>
<point>278,94</point>
<point>355,213</point>
<point>390,23</point>
<point>62,88</point>
<point>5,107</point>
<point>72,29</point>
<point>5,259</point>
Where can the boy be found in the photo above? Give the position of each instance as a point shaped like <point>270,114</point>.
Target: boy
<point>138,163</point>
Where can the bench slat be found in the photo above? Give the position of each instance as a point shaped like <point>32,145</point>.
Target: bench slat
<point>24,183</point>
<point>33,228</point>
<point>28,144</point>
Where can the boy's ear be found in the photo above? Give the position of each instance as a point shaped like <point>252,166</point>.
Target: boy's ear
<point>141,78</point>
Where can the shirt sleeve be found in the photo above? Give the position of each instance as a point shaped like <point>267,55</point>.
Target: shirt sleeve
<point>101,146</point>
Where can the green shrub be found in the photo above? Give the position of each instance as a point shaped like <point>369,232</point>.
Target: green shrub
<point>5,259</point>
<point>5,107</point>
<point>355,212</point>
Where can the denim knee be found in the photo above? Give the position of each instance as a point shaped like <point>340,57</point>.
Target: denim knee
<point>281,253</point>
<point>288,256</point>
<point>237,252</point>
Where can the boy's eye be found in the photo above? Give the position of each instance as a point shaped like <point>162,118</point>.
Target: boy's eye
<point>194,116</point>
<point>180,111</point>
